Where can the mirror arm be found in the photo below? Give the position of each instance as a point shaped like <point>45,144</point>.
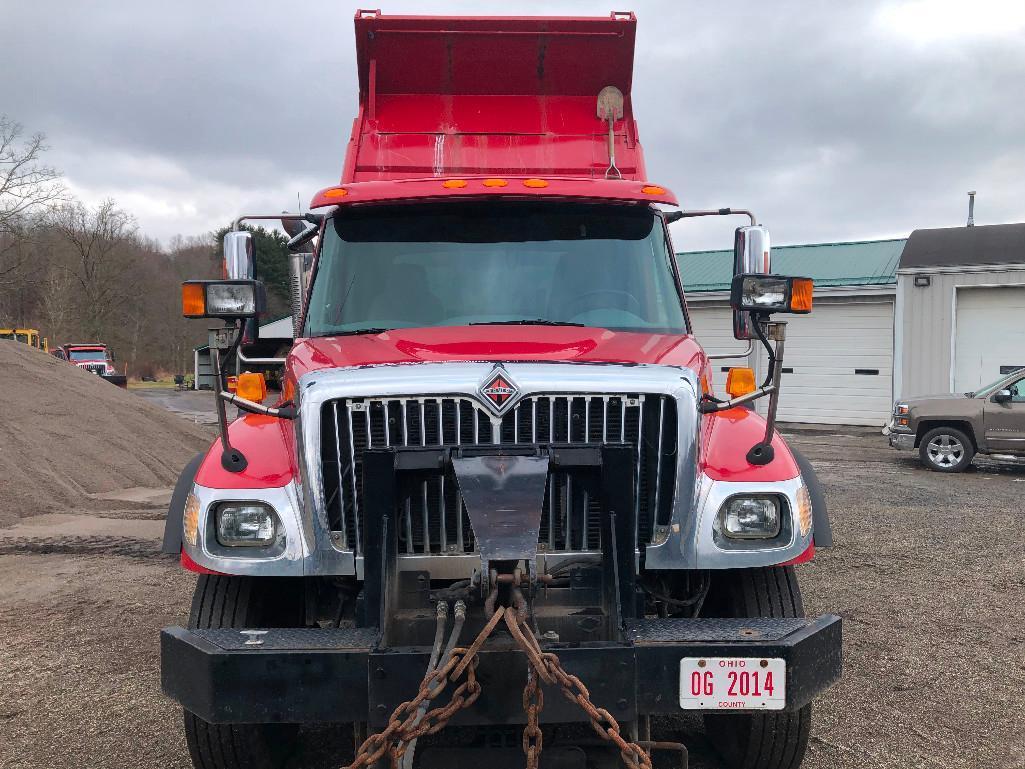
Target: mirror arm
<point>261,361</point>
<point>762,452</point>
<point>675,216</point>
<point>281,412</point>
<point>728,355</point>
<point>309,217</point>
<point>707,406</point>
<point>232,459</point>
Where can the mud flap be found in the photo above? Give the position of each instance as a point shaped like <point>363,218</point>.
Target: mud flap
<point>822,531</point>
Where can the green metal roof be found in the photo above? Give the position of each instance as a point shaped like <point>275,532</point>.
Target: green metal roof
<point>858,263</point>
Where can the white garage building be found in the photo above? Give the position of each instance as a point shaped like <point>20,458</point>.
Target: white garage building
<point>839,361</point>
<point>960,308</point>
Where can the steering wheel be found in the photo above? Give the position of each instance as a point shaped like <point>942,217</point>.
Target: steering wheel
<point>635,304</point>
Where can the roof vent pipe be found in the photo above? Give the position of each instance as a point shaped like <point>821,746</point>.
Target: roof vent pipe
<point>971,209</point>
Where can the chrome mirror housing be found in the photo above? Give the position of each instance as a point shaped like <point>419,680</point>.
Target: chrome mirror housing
<point>751,256</point>
<point>238,256</point>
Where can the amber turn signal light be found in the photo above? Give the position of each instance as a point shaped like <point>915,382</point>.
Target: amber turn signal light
<point>193,300</point>
<point>801,290</point>
<point>251,386</point>
<point>740,381</point>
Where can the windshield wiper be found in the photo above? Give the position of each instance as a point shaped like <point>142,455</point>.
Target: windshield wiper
<point>358,331</point>
<point>534,322</point>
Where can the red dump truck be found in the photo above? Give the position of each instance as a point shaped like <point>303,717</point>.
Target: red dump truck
<point>498,490</point>
<point>94,357</point>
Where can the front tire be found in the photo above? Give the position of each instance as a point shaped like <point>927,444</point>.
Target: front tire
<point>758,740</point>
<point>242,602</point>
<point>946,450</point>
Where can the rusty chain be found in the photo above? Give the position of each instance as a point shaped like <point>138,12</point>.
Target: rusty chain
<point>533,704</point>
<point>549,669</point>
<point>403,726</point>
<point>542,666</point>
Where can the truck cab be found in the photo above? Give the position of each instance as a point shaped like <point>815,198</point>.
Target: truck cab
<point>496,424</point>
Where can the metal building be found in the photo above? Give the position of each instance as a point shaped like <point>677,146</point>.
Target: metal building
<point>960,312</point>
<point>838,367</point>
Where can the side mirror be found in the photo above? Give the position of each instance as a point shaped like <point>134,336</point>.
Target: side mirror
<point>300,239</point>
<point>751,253</point>
<point>1002,396</point>
<point>239,263</point>
<point>751,256</point>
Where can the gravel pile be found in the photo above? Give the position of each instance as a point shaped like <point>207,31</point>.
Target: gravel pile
<point>67,435</point>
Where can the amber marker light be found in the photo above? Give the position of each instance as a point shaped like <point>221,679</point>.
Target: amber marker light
<point>190,520</point>
<point>801,294</point>
<point>193,300</point>
<point>251,386</point>
<point>535,183</point>
<point>454,184</point>
<point>496,183</point>
<point>653,189</point>
<point>336,192</point>
<point>740,381</point>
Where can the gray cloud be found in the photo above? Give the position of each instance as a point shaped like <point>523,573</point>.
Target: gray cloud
<point>833,121</point>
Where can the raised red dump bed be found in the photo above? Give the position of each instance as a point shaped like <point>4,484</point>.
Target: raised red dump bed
<point>476,96</point>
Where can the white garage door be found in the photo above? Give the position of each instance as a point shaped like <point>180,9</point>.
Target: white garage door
<point>838,366</point>
<point>990,337</point>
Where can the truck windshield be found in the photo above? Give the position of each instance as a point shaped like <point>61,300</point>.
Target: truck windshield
<point>83,355</point>
<point>486,263</point>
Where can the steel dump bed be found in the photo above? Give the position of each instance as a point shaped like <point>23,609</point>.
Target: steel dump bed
<point>443,96</point>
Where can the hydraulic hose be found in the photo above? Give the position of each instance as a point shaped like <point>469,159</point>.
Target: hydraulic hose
<point>453,639</point>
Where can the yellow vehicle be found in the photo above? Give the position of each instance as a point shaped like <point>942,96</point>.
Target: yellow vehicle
<point>29,336</point>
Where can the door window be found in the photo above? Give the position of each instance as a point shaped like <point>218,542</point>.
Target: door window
<point>1018,391</point>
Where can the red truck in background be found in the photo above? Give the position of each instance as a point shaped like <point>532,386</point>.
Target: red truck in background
<point>94,357</point>
<point>498,488</point>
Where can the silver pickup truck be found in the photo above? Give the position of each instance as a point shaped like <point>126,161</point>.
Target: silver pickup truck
<point>949,430</point>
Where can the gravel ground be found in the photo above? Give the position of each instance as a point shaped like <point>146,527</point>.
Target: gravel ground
<point>927,573</point>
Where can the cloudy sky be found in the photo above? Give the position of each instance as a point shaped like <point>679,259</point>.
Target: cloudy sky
<point>833,121</point>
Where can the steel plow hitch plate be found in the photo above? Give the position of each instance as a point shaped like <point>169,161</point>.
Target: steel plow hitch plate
<point>503,497</point>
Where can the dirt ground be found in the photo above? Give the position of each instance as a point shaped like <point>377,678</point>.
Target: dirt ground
<point>927,574</point>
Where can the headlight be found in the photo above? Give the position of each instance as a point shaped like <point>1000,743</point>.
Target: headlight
<point>751,517</point>
<point>900,409</point>
<point>246,524</point>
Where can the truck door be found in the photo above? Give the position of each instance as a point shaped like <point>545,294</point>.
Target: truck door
<point>1005,422</point>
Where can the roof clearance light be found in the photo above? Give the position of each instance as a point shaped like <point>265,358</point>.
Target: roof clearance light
<point>652,189</point>
<point>454,184</point>
<point>495,183</point>
<point>535,183</point>
<point>336,192</point>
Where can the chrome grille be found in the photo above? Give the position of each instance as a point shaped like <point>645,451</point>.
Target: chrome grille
<point>432,517</point>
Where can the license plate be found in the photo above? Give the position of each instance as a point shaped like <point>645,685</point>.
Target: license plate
<point>733,683</point>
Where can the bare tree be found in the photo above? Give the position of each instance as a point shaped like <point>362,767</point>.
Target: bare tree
<point>101,242</point>
<point>27,186</point>
<point>56,301</point>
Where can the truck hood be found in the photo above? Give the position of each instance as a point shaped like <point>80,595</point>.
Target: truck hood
<point>499,343</point>
<point>920,399</point>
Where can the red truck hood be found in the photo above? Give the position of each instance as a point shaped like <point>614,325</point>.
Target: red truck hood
<point>505,343</point>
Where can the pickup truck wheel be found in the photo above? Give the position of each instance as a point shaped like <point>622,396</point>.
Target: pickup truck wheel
<point>946,450</point>
<point>760,740</point>
<point>242,602</point>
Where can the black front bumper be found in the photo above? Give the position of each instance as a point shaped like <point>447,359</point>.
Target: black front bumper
<point>318,675</point>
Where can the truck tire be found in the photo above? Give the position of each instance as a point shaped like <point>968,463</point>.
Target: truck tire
<point>242,602</point>
<point>946,450</point>
<point>758,740</point>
